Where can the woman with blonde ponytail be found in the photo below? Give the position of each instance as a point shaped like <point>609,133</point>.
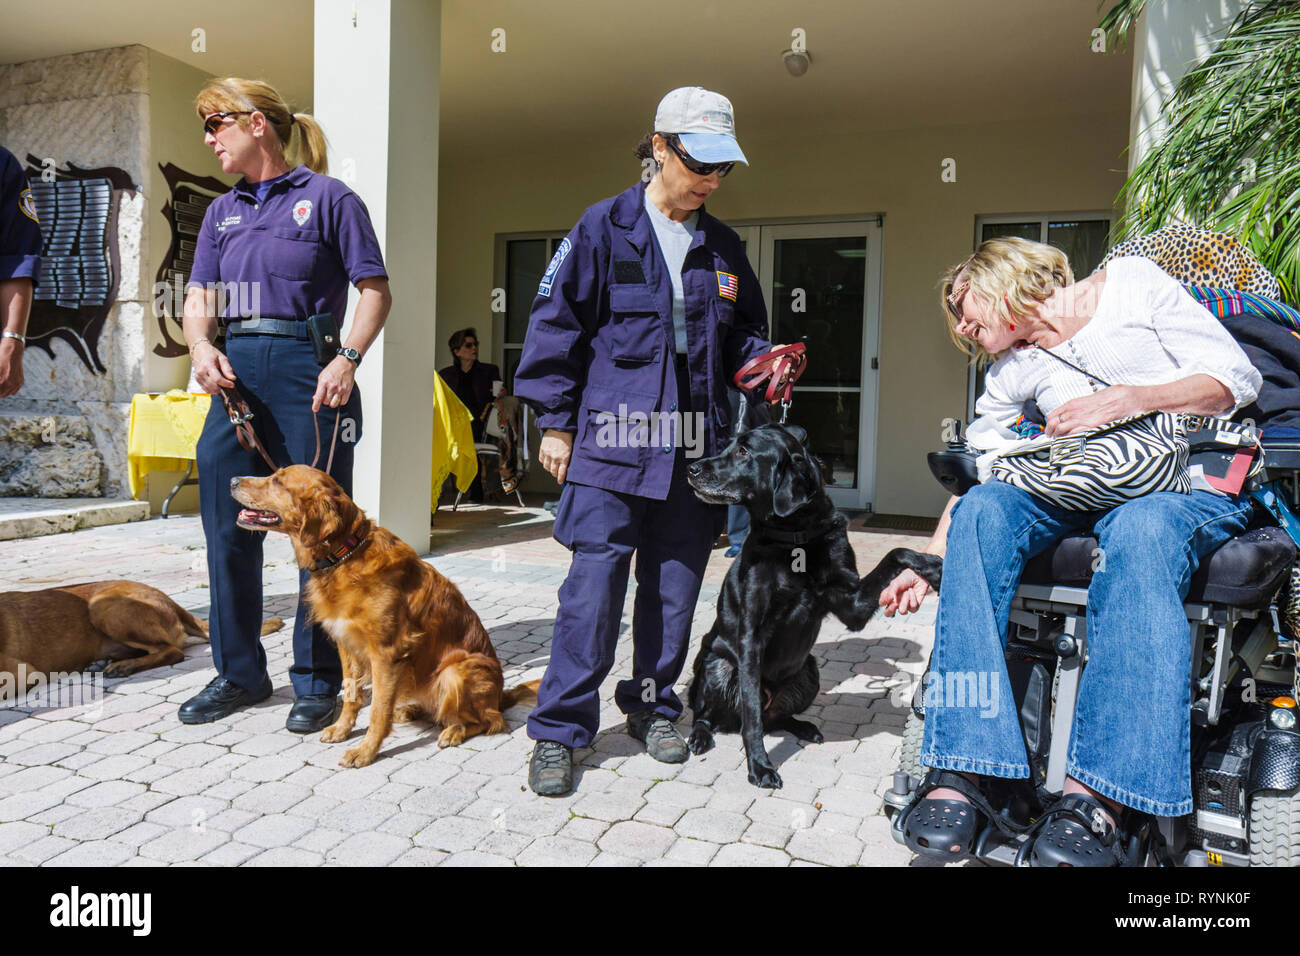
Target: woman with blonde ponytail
<point>278,249</point>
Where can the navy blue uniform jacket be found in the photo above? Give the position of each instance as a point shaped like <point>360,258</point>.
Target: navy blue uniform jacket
<point>599,348</point>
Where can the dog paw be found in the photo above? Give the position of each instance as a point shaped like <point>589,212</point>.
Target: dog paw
<point>700,741</point>
<point>805,731</point>
<point>452,736</point>
<point>407,713</point>
<point>335,733</point>
<point>764,775</point>
<point>361,756</point>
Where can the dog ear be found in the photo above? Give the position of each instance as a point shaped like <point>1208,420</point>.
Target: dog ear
<point>796,484</point>
<point>789,493</point>
<point>798,434</point>
<point>322,520</point>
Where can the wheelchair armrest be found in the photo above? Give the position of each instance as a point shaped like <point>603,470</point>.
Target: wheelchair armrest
<point>955,469</point>
<point>1282,454</point>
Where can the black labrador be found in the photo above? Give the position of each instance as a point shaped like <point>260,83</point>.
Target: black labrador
<point>755,669</point>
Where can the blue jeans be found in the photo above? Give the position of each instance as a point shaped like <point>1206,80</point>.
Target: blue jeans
<point>1131,739</point>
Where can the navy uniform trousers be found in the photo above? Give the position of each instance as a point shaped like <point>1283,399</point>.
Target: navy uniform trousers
<point>276,375</point>
<point>672,540</point>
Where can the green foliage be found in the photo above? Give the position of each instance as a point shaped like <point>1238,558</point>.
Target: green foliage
<point>1119,19</point>
<point>1229,159</point>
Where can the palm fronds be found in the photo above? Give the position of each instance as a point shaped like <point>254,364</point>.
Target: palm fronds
<point>1119,19</point>
<point>1229,158</point>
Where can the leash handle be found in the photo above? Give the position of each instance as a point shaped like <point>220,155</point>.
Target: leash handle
<point>241,417</point>
<point>780,369</point>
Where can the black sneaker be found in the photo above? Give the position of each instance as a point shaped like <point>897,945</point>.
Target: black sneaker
<point>550,771</point>
<point>662,741</point>
<point>220,699</point>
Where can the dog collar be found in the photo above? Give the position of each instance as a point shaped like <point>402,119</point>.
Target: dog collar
<point>339,554</point>
<point>803,536</point>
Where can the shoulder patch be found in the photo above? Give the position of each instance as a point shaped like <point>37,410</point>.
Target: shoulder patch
<point>557,260</point>
<point>28,205</point>
<point>728,285</point>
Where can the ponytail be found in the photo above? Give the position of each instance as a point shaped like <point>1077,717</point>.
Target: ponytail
<point>311,143</point>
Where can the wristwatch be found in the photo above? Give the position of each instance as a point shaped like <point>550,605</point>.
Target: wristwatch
<point>352,354</point>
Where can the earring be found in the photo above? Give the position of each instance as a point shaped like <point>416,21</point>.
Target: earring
<point>258,135</point>
<point>1011,326</point>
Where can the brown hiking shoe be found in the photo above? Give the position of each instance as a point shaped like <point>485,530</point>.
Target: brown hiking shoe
<point>662,741</point>
<point>550,771</point>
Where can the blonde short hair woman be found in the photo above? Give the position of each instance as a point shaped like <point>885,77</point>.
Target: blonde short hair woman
<point>1129,324</point>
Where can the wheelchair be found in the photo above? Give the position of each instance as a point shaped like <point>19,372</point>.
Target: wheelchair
<point>1243,614</point>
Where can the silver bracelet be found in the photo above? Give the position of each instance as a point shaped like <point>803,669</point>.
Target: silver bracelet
<point>197,342</point>
<point>14,335</point>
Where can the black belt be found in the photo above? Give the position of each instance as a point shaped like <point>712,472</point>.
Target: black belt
<point>681,359</point>
<point>289,328</point>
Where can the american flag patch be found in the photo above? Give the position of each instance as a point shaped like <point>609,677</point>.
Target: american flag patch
<point>728,285</point>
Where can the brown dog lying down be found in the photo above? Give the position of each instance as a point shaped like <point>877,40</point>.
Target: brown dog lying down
<point>65,629</point>
<point>396,620</point>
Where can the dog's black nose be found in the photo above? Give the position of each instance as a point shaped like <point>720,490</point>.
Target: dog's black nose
<point>234,483</point>
<point>694,469</point>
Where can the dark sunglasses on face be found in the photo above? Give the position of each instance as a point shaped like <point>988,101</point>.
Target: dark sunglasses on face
<point>217,120</point>
<point>469,344</point>
<point>698,168</point>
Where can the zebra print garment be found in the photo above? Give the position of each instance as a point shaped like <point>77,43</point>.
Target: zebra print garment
<point>1104,467</point>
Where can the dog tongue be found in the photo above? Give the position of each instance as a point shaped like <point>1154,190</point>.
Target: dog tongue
<point>252,516</point>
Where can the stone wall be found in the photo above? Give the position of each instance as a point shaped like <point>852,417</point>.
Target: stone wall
<point>89,109</point>
<point>131,108</point>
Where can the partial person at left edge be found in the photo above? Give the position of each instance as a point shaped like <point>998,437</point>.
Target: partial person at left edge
<point>20,264</point>
<point>288,240</point>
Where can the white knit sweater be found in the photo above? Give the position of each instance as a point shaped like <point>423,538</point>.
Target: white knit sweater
<point>1147,330</point>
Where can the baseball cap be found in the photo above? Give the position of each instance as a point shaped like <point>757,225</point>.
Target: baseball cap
<point>703,121</point>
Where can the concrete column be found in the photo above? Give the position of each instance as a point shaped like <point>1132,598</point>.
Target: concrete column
<point>376,95</point>
<point>1170,37</point>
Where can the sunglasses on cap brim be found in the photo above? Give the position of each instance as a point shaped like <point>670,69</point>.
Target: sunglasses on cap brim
<point>695,166</point>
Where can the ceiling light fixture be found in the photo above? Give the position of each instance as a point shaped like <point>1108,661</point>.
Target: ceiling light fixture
<point>796,63</point>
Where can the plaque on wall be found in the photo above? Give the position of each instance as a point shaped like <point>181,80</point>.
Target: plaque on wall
<point>188,199</point>
<point>77,209</point>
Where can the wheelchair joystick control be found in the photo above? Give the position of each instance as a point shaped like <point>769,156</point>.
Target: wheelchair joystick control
<point>1066,646</point>
<point>901,783</point>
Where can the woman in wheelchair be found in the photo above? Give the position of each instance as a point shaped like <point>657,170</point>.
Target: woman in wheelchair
<point>1129,324</point>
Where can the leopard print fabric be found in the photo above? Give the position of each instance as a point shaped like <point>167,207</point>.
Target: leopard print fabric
<point>1197,257</point>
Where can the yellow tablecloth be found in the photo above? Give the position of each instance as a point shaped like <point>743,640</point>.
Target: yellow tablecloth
<point>164,432</point>
<point>453,440</point>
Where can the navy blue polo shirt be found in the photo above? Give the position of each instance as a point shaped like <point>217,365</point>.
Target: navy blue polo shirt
<point>20,235</point>
<point>302,244</point>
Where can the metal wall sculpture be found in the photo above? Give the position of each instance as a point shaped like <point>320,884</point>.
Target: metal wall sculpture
<point>189,198</point>
<point>80,267</point>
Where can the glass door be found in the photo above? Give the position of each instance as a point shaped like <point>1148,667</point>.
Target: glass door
<point>822,282</point>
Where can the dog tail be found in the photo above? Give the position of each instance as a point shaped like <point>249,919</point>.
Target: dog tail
<point>191,624</point>
<point>525,693</point>
<point>271,625</point>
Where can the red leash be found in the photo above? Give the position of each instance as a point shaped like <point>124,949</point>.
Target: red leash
<point>780,369</point>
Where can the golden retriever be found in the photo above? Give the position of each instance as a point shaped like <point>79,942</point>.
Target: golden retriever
<point>395,619</point>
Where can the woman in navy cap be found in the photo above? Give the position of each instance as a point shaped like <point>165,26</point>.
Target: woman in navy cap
<point>644,314</point>
<point>280,247</point>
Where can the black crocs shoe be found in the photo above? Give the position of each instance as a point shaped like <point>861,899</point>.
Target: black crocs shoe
<point>1074,832</point>
<point>550,771</point>
<point>661,739</point>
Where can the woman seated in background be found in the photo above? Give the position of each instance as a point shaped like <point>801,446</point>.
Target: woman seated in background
<point>1132,325</point>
